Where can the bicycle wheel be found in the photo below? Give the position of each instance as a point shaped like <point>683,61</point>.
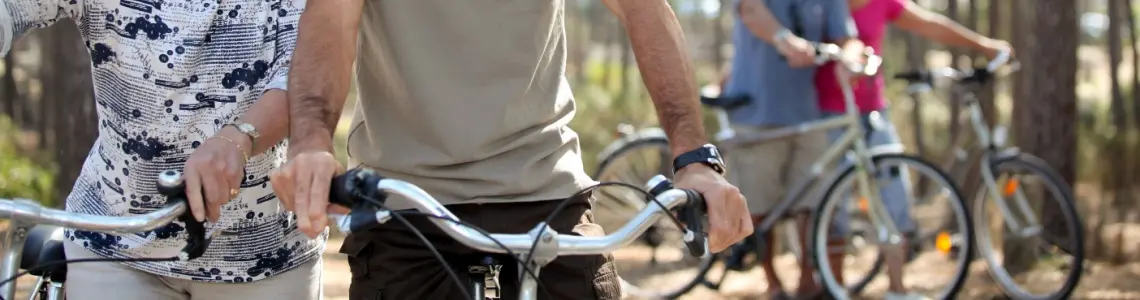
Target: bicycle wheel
<point>946,229</point>
<point>657,266</point>
<point>1028,175</point>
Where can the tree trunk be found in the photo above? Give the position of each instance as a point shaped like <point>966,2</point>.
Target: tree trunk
<point>67,69</point>
<point>955,109</point>
<point>8,93</point>
<point>1131,21</point>
<point>1047,127</point>
<point>719,36</point>
<point>972,178</point>
<point>626,58</point>
<point>1118,174</point>
<point>915,59</point>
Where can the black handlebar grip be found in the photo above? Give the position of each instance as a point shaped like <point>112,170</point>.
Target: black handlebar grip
<point>350,188</point>
<point>171,185</point>
<point>341,190</point>
<point>694,214</point>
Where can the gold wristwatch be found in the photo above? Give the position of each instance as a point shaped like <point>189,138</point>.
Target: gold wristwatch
<point>249,130</point>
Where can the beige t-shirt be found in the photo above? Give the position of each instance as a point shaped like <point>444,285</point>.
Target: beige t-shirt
<point>467,99</point>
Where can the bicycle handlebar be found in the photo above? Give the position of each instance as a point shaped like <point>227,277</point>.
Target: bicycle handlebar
<point>833,53</point>
<point>976,75</point>
<point>169,184</point>
<point>365,193</point>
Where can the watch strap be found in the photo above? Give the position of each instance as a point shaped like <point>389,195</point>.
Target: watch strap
<point>707,155</point>
<point>248,130</point>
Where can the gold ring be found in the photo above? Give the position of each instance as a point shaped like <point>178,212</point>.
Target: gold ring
<point>234,192</point>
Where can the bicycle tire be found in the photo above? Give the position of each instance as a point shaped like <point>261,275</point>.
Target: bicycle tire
<point>820,253</point>
<point>649,139</point>
<point>1057,186</point>
<point>859,285</point>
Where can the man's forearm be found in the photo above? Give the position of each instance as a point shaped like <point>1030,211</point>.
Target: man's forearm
<point>759,20</point>
<point>944,30</point>
<point>667,70</point>
<point>321,70</point>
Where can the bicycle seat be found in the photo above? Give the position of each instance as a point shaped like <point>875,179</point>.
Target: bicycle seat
<point>45,245</point>
<point>725,102</point>
<point>916,76</point>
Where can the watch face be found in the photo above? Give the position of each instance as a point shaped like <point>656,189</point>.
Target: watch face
<point>713,151</point>
<point>715,158</point>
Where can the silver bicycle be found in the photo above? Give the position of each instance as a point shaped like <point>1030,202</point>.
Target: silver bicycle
<point>862,179</point>
<point>365,192</point>
<point>1008,179</point>
<point>34,240</point>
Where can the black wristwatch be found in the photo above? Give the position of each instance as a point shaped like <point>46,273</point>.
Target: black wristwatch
<point>706,154</point>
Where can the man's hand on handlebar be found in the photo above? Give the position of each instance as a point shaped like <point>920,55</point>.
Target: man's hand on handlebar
<point>302,185</point>
<point>799,52</point>
<point>729,220</point>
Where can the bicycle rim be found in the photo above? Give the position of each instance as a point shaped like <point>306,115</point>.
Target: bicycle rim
<point>1054,186</point>
<point>831,204</point>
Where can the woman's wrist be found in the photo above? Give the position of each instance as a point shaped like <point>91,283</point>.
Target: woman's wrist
<point>240,140</point>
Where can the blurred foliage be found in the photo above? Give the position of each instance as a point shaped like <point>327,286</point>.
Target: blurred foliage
<point>21,175</point>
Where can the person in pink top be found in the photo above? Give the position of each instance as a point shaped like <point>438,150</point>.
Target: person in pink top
<point>871,19</point>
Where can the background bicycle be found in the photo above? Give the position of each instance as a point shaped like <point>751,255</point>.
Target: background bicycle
<point>42,144</point>
<point>627,159</point>
<point>1020,198</point>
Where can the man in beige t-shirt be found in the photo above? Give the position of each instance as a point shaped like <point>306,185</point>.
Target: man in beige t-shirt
<point>469,100</point>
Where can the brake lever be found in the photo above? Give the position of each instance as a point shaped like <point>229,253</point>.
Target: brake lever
<point>356,189</point>
<point>171,185</point>
<point>694,214</point>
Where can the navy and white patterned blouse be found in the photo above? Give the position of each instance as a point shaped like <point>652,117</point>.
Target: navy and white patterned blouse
<point>168,74</point>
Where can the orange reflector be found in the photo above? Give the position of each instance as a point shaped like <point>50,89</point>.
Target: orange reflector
<point>1011,187</point>
<point>943,242</point>
<point>862,203</point>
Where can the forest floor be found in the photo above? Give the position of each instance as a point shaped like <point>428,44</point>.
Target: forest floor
<point>1100,281</point>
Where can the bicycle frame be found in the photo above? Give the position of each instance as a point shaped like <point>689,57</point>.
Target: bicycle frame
<point>850,144</point>
<point>990,142</point>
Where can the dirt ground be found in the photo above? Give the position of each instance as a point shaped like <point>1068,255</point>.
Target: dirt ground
<point>1100,281</point>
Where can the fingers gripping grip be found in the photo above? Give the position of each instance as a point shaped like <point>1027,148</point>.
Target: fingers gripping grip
<point>694,214</point>
<point>357,190</point>
<point>171,185</point>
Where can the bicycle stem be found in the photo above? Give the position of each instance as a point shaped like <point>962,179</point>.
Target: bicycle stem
<point>13,245</point>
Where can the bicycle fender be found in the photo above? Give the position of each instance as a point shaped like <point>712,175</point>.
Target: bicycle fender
<point>894,148</point>
<point>643,134</point>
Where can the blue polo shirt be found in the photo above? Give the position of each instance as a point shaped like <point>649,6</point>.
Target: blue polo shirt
<point>781,95</point>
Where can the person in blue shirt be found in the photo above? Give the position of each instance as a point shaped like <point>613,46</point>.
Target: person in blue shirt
<point>773,66</point>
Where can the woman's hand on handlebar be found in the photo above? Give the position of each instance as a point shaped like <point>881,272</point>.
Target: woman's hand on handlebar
<point>302,186</point>
<point>729,220</point>
<point>992,48</point>
<point>214,173</point>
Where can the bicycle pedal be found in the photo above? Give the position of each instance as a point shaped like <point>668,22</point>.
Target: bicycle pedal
<point>491,288</point>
